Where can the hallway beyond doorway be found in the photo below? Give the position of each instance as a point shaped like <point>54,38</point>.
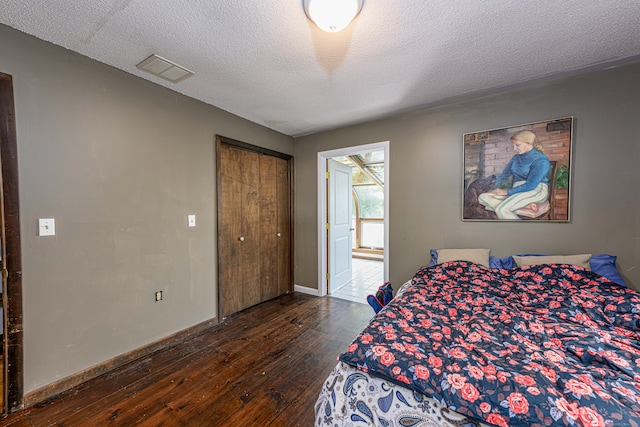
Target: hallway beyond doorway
<point>366,277</point>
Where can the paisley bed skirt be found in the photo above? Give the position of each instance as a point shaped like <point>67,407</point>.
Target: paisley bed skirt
<point>352,398</point>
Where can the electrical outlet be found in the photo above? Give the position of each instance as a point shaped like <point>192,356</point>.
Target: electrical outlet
<point>159,296</point>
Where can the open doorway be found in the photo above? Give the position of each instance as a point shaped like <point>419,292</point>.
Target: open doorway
<point>369,222</point>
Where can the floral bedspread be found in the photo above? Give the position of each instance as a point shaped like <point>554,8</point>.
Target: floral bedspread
<point>537,346</point>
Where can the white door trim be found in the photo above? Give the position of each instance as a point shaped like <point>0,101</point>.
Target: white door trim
<point>322,206</point>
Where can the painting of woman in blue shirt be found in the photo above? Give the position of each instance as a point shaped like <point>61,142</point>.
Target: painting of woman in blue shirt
<point>529,168</point>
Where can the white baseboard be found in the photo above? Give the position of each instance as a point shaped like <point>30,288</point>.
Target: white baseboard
<point>305,290</point>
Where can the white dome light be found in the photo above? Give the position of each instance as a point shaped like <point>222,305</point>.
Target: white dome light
<point>332,15</point>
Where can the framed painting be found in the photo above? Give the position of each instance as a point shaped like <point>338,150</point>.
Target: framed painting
<point>519,173</point>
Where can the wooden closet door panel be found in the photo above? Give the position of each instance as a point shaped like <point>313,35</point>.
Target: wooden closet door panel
<point>254,226</point>
<point>230,229</point>
<point>283,204</point>
<point>250,213</point>
<point>268,227</point>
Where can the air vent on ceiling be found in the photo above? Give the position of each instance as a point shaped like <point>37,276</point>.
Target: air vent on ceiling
<point>164,68</point>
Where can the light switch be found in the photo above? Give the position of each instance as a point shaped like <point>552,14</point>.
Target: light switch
<point>46,227</point>
<point>191,219</point>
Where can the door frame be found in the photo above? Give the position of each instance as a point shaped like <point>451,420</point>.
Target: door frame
<point>11,252</point>
<point>322,206</point>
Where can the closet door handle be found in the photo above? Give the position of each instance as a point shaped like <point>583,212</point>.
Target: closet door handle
<point>241,239</point>
<point>278,234</point>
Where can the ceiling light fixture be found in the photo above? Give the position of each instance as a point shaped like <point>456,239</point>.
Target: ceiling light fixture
<point>332,15</point>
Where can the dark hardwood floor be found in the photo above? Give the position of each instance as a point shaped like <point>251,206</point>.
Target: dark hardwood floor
<point>263,366</point>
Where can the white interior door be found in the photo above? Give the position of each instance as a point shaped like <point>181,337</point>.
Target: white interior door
<point>339,233</point>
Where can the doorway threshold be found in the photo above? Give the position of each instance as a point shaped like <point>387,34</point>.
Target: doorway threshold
<point>366,277</point>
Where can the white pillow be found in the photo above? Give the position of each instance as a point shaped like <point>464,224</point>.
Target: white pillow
<point>581,260</point>
<point>479,256</point>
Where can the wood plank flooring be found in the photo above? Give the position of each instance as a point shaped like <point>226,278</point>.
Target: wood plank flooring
<point>262,367</point>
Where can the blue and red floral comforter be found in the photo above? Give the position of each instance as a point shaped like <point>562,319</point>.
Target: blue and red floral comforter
<point>536,346</point>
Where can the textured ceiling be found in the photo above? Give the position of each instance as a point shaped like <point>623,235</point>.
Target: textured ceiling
<point>265,61</point>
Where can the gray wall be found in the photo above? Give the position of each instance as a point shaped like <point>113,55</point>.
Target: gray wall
<point>119,162</point>
<point>425,188</point>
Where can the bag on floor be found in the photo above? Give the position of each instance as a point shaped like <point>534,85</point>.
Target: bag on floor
<point>383,295</point>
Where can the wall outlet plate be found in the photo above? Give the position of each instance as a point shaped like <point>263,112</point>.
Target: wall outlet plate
<point>191,220</point>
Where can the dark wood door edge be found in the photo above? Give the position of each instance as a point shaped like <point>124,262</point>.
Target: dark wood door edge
<point>11,250</point>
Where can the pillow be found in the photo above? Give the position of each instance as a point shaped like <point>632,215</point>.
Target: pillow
<point>581,260</point>
<point>605,265</point>
<point>434,258</point>
<point>506,262</point>
<point>479,256</point>
<point>494,262</point>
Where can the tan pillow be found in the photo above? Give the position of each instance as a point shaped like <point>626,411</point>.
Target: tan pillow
<point>581,260</point>
<point>479,256</point>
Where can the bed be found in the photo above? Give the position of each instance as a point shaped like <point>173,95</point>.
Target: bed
<point>463,344</point>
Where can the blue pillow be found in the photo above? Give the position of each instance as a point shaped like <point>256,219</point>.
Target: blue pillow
<point>605,265</point>
<point>434,258</point>
<point>506,262</point>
